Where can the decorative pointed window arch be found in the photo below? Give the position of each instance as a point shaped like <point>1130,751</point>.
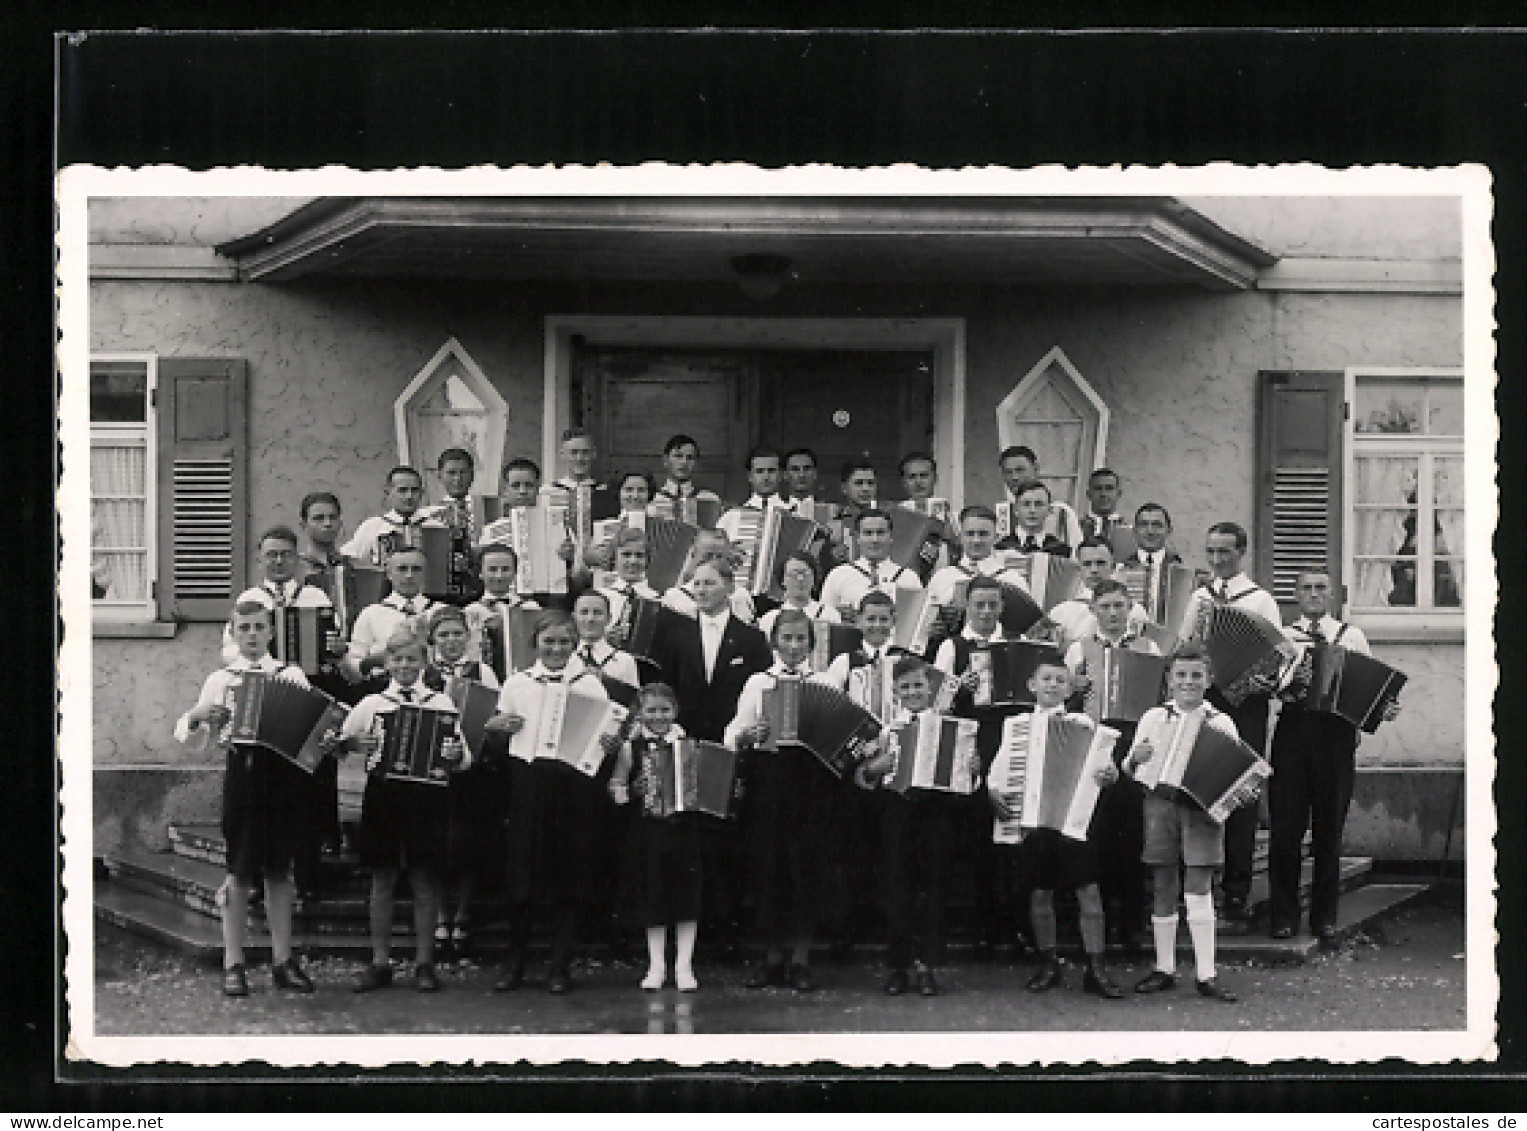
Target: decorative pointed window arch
<point>451,404</point>
<point>1054,411</point>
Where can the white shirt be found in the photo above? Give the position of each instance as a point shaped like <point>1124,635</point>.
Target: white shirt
<point>816,610</point>
<point>449,670</point>
<point>607,660</point>
<point>1352,638</point>
<point>848,583</point>
<point>446,514</point>
<point>1242,592</point>
<point>1158,723</point>
<point>365,544</point>
<point>214,689</point>
<point>378,622</point>
<point>1077,622</point>
<point>857,681</point>
<point>944,585</point>
<point>681,600</point>
<point>363,715</point>
<point>802,506</point>
<point>750,702</point>
<point>1155,563</point>
<point>521,693</point>
<point>712,628</point>
<point>274,594</point>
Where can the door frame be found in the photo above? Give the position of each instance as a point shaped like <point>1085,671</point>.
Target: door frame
<point>943,337</point>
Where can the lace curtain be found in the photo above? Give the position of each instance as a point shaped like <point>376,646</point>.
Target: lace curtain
<point>118,513</point>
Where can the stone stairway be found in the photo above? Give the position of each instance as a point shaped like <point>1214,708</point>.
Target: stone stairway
<point>172,897</point>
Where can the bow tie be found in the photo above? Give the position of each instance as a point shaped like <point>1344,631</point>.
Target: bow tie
<point>1314,633</point>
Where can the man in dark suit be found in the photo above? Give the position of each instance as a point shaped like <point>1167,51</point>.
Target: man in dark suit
<point>1153,525</point>
<point>706,660</point>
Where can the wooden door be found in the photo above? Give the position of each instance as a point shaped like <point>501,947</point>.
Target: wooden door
<point>633,400</point>
<point>843,404</point>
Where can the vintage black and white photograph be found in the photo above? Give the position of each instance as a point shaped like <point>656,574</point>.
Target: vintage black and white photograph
<point>884,617</point>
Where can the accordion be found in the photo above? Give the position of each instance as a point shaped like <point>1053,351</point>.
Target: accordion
<point>1047,774</point>
<point>917,619</point>
<point>413,744</point>
<point>1242,647</point>
<point>1003,670</point>
<point>1351,685</point>
<point>932,507</point>
<point>694,777</point>
<point>831,641</point>
<point>302,637</point>
<point>936,752</point>
<point>701,509</point>
<point>647,621</point>
<point>1214,770</point>
<point>915,541</point>
<point>1121,539</point>
<point>283,716</point>
<point>780,534</point>
<point>476,703</point>
<point>1051,578</point>
<point>510,647</point>
<point>669,543</point>
<point>535,534</point>
<point>1124,684</point>
<point>822,719</point>
<point>567,726</point>
<point>356,585</point>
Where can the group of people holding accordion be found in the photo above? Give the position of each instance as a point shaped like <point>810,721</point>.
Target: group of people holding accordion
<point>635,696</point>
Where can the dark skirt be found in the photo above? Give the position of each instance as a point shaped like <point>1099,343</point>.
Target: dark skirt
<point>1053,862</point>
<point>663,873</point>
<point>479,799</point>
<point>791,797</point>
<point>555,827</point>
<point>404,824</point>
<point>267,813</point>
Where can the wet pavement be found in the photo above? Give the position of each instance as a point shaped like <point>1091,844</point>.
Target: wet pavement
<point>1407,972</point>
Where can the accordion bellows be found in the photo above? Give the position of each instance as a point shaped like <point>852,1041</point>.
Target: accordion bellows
<point>283,716</point>
<point>1202,764</point>
<point>1351,685</point>
<point>476,703</point>
<point>302,636</point>
<point>695,777</point>
<point>1123,684</point>
<point>822,719</point>
<point>1047,774</point>
<point>1242,647</point>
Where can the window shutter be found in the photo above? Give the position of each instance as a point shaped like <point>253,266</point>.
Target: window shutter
<point>1299,480</point>
<point>203,451</point>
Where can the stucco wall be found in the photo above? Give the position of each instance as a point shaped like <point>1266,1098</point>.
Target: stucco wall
<point>1176,367</point>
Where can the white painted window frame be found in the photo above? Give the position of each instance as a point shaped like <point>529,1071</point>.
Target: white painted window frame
<point>1028,387</point>
<point>104,612</point>
<point>486,474</point>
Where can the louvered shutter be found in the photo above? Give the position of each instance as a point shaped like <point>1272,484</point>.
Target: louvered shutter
<point>1298,480</point>
<point>203,449</point>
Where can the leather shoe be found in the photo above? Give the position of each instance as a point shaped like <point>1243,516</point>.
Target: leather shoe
<point>425,980</point>
<point>289,976</point>
<point>373,977</point>
<point>896,983</point>
<point>769,974</point>
<point>1047,978</point>
<point>1283,931</point>
<point>1097,981</point>
<point>1155,982</point>
<point>1208,987</point>
<point>510,978</point>
<point>927,984</point>
<point>560,982</point>
<point>800,979</point>
<point>235,984</point>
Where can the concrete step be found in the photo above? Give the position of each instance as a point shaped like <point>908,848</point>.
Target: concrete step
<point>1358,908</point>
<point>338,872</point>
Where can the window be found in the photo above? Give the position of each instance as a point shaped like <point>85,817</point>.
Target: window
<point>451,404</point>
<point>122,486</point>
<point>1405,518</point>
<point>1054,411</point>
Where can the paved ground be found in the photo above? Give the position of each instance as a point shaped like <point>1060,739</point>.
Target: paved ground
<point>1406,972</point>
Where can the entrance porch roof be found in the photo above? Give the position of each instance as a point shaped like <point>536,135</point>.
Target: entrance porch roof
<point>1121,241</point>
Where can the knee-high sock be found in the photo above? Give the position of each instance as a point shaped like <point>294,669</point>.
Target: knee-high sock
<point>657,949</point>
<point>1090,915</point>
<point>1164,927</point>
<point>1042,918</point>
<point>1201,928</point>
<point>235,921</point>
<point>278,913</point>
<point>684,943</point>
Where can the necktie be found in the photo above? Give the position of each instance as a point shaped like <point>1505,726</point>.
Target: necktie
<point>410,608</point>
<point>877,685</point>
<point>406,694</point>
<point>588,655</point>
<point>1316,636</point>
<point>1032,546</point>
<point>550,678</point>
<point>1220,589</point>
